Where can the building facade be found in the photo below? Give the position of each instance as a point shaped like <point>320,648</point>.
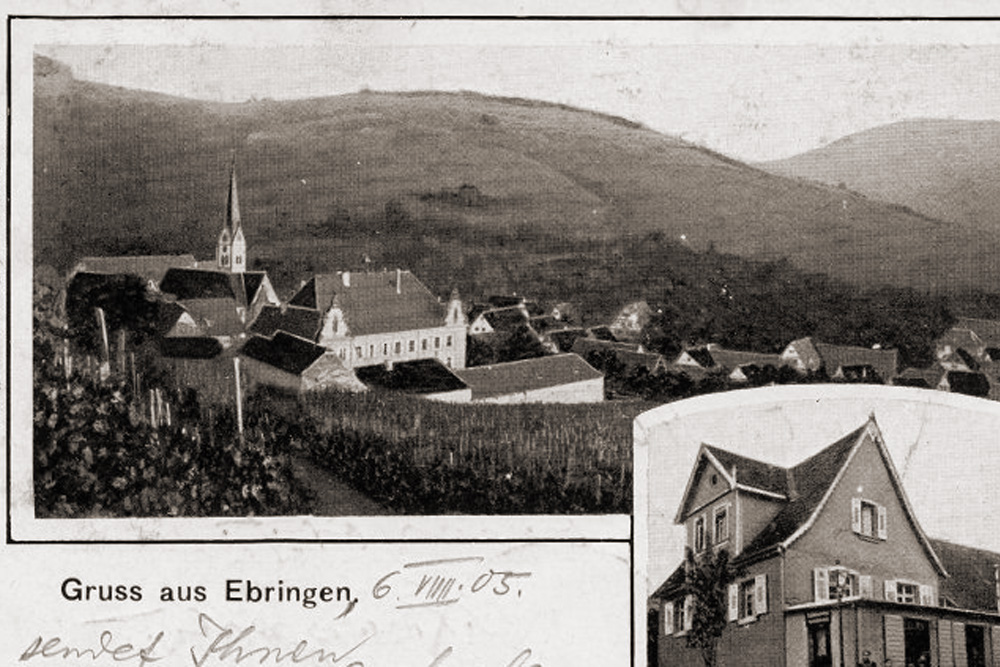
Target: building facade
<point>829,562</point>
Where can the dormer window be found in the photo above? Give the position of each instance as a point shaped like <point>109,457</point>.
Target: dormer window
<point>868,519</point>
<point>699,534</point>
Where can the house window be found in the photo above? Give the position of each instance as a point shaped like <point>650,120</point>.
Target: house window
<point>399,347</point>
<point>907,593</point>
<point>437,342</point>
<point>423,344</point>
<point>839,583</point>
<point>371,350</point>
<point>843,583</point>
<point>868,519</point>
<point>699,534</point>
<point>748,598</point>
<point>720,523</point>
<point>357,351</point>
<point>447,341</point>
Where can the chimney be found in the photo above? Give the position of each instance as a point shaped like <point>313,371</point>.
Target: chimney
<point>399,281</point>
<point>346,275</point>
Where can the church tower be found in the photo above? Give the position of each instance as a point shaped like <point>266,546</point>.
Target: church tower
<point>231,252</point>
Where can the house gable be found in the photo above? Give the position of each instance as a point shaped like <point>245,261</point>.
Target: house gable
<point>863,523</point>
<point>709,480</point>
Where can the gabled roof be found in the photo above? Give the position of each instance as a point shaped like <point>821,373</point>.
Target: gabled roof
<point>285,352</point>
<point>602,333</point>
<point>526,375</point>
<point>987,330</point>
<point>215,317</point>
<point>584,346</point>
<point>737,358</point>
<point>302,322</point>
<point>505,319</point>
<point>190,347</point>
<point>187,284</point>
<point>371,302</point>
<point>969,383</point>
<point>810,484</point>
<point>884,362</point>
<point>752,473</point>
<point>919,377</point>
<point>148,267</point>
<point>701,355</point>
<point>423,376</point>
<point>252,280</point>
<point>971,583</point>
<point>672,584</point>
<point>564,338</point>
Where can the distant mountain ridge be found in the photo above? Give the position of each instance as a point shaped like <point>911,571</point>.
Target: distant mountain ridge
<point>118,170</point>
<point>946,169</point>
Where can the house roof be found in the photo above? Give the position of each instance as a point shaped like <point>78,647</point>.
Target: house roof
<point>919,377</point>
<point>971,583</point>
<point>505,319</point>
<point>751,472</point>
<point>583,346</point>
<point>805,348</point>
<point>736,358</point>
<point>285,352</point>
<point>302,322</point>
<point>672,584</point>
<point>423,376</point>
<point>564,338</point>
<point>215,317</point>
<point>371,302</point>
<point>526,375</point>
<point>969,383</point>
<point>187,284</point>
<point>602,333</point>
<point>148,267</point>
<point>190,347</point>
<point>252,280</point>
<point>834,357</point>
<point>987,330</point>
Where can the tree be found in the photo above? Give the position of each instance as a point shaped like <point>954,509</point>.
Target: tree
<point>707,578</point>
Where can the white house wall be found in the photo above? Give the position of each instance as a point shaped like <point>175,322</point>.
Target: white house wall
<point>586,391</point>
<point>380,348</point>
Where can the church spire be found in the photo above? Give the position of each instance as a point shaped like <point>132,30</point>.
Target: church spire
<point>233,203</point>
<point>231,253</point>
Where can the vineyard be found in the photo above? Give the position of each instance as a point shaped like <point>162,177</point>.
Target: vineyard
<point>420,456</point>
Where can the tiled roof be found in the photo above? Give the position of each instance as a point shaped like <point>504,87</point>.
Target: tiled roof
<point>808,483</point>
<point>987,330</point>
<point>187,284</point>
<point>702,357</point>
<point>565,338</point>
<point>526,375</point>
<point>919,377</point>
<point>190,347</point>
<point>971,583</point>
<point>505,319</point>
<point>732,359</point>
<point>423,376</point>
<point>602,333</point>
<point>884,362</point>
<point>751,472</point>
<point>148,267</point>
<point>252,280</point>
<point>971,384</point>
<point>672,585</point>
<point>285,352</point>
<point>371,302</point>
<point>215,317</point>
<point>583,346</point>
<point>302,322</point>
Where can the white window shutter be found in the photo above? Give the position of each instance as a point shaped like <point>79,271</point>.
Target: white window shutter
<point>688,612</point>
<point>821,584</point>
<point>882,531</point>
<point>734,602</point>
<point>926,595</point>
<point>760,594</point>
<point>865,586</point>
<point>890,590</point>
<point>668,618</point>
<point>856,515</point>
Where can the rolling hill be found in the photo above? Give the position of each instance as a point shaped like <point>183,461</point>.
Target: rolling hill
<point>945,169</point>
<point>326,182</point>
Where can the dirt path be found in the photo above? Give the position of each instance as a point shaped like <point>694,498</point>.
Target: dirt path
<point>333,497</point>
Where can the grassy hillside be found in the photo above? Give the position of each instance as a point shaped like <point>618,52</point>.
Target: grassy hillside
<point>943,168</point>
<point>326,182</point>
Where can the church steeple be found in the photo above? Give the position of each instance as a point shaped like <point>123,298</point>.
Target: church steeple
<point>231,252</point>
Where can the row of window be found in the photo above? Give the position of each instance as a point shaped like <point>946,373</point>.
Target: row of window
<point>397,347</point>
<point>838,583</point>
<point>747,600</point>
<point>720,528</point>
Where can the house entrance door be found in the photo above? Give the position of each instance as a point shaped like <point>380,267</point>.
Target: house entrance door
<point>819,644</point>
<point>975,645</point>
<point>917,636</point>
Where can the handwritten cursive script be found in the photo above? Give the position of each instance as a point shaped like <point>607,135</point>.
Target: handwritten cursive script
<point>124,652</point>
<point>226,644</point>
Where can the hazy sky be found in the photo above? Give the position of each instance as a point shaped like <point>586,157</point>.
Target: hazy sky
<point>753,90</point>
